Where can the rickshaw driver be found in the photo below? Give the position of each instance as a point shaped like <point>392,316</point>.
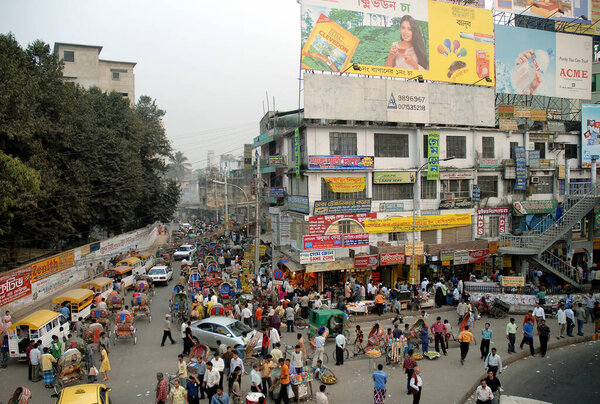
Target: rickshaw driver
<point>126,311</point>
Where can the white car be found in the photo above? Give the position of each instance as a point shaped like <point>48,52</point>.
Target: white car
<point>184,251</point>
<point>161,274</point>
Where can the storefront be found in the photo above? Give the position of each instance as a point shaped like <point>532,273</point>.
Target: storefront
<point>331,274</point>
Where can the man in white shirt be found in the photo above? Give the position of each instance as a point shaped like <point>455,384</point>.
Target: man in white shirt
<point>297,359</point>
<point>484,394</point>
<point>493,362</point>
<point>236,361</point>
<point>317,304</point>
<point>416,385</point>
<point>321,397</point>
<point>274,336</point>
<point>340,344</point>
<point>214,299</point>
<point>184,326</point>
<point>211,380</point>
<point>319,349</point>
<point>34,358</point>
<point>255,379</point>
<point>538,314</point>
<point>424,284</point>
<point>570,316</point>
<point>562,321</point>
<point>219,366</point>
<point>247,316</point>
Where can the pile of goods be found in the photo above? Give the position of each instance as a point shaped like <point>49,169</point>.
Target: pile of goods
<point>328,379</point>
<point>417,356</point>
<point>373,353</point>
<point>432,355</point>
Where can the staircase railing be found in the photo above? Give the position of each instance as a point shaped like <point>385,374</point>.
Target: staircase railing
<point>559,265</point>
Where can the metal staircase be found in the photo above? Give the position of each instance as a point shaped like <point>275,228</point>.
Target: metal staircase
<point>534,245</point>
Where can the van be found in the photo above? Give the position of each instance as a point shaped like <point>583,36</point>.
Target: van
<point>135,263</point>
<point>102,285</point>
<point>79,302</point>
<point>121,274</point>
<point>43,324</point>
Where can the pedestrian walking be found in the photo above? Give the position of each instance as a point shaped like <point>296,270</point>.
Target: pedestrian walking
<point>439,330</point>
<point>486,338</point>
<point>34,359</point>
<point>47,369</point>
<point>424,338</point>
<point>104,363</point>
<point>340,345</point>
<point>580,314</point>
<point>266,367</point>
<point>188,341</point>
<point>29,366</point>
<point>211,382</point>
<point>465,337</point>
<point>319,349</point>
<point>167,330</point>
<point>511,335</point>
<point>200,373</point>
<point>162,389</point>
<point>461,310</point>
<point>220,397</point>
<point>284,380</point>
<point>589,307</point>
<point>493,362</point>
<point>380,379</point>
<point>538,314</point>
<point>4,352</point>
<point>192,387</point>
<point>416,385</point>
<point>219,366</point>
<point>184,326</point>
<point>562,321</point>
<point>289,318</point>
<point>255,379</point>
<point>321,396</point>
<point>409,366</point>
<point>528,336</point>
<point>544,335</point>
<point>181,370</point>
<point>484,394</point>
<point>178,394</point>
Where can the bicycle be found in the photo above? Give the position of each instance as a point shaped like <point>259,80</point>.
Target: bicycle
<point>346,353</point>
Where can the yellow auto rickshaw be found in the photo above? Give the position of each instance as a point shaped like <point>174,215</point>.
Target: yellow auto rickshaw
<point>78,301</point>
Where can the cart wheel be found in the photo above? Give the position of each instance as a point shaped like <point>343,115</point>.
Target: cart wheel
<point>134,340</point>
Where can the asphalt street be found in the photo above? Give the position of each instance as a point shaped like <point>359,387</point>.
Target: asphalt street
<point>134,366</point>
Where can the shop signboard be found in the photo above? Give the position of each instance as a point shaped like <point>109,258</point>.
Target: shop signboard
<point>489,163</point>
<point>345,185</point>
<point>311,257</point>
<point>391,207</point>
<point>447,255</point>
<point>513,281</point>
<point>15,285</point>
<point>322,242</point>
<point>480,225</point>
<point>298,203</point>
<point>433,155</point>
<point>493,246</point>
<point>493,211</point>
<point>458,203</point>
<point>277,192</point>
<point>476,195</point>
<point>477,256</point>
<point>421,223</point>
<point>590,134</point>
<point>340,162</point>
<point>456,175</point>
<point>339,207</point>
<point>356,239</point>
<point>366,261</point>
<point>419,248</point>
<point>521,169</point>
<point>461,257</point>
<point>522,111</point>
<point>454,43</point>
<point>506,111</point>
<point>396,258</point>
<point>508,124</point>
<point>507,261</point>
<point>502,224</point>
<point>318,225</point>
<point>393,177</point>
<point>534,158</point>
<point>533,207</point>
<point>297,151</point>
<point>275,161</point>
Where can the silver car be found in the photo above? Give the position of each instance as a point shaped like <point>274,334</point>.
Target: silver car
<point>229,331</point>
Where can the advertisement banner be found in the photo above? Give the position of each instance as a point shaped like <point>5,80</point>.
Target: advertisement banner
<point>534,207</point>
<point>340,207</point>
<point>477,256</point>
<point>345,185</point>
<point>456,175</point>
<point>433,155</point>
<point>508,124</point>
<point>513,281</point>
<point>506,111</point>
<point>458,203</point>
<point>15,285</point>
<point>366,261</point>
<point>50,266</point>
<point>422,223</point>
<point>275,161</point>
<point>590,138</point>
<point>461,257</point>
<point>391,207</point>
<point>356,240</point>
<point>446,255</point>
<point>521,168</point>
<point>393,177</point>
<point>399,38</point>
<point>502,224</point>
<point>493,211</point>
<point>297,151</point>
<point>556,10</point>
<point>489,163</point>
<point>476,194</point>
<point>322,242</point>
<point>392,259</point>
<point>319,225</point>
<point>311,257</point>
<point>298,203</point>
<point>536,62</point>
<point>419,248</point>
<point>277,192</point>
<point>480,225</point>
<point>413,276</point>
<point>577,25</point>
<point>340,162</point>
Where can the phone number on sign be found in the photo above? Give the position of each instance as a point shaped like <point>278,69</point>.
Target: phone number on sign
<point>411,107</point>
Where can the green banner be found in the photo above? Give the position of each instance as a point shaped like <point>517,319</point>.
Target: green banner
<point>433,156</point>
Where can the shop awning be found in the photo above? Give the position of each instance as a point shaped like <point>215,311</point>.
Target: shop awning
<point>292,266</point>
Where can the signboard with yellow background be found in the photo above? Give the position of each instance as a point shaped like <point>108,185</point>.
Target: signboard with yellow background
<point>422,223</point>
<point>399,38</point>
<point>346,184</point>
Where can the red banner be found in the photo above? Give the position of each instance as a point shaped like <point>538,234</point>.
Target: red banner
<point>392,258</point>
<point>321,242</point>
<point>502,226</point>
<point>318,225</point>
<point>15,286</point>
<point>477,256</point>
<point>366,261</point>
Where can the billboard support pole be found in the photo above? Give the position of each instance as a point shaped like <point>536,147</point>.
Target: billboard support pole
<point>257,236</point>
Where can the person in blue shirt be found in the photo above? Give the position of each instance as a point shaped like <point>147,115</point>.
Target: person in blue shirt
<point>486,338</point>
<point>192,388</point>
<point>568,301</point>
<point>380,378</point>
<point>220,397</point>
<point>64,310</point>
<point>559,213</point>
<point>528,336</point>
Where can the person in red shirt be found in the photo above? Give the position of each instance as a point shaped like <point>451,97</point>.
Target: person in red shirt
<point>284,379</point>
<point>27,350</point>
<point>409,366</point>
<point>258,317</point>
<point>162,389</point>
<point>264,350</point>
<point>528,316</point>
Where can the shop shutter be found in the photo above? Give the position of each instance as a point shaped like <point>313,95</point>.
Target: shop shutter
<point>457,234</point>
<point>429,237</point>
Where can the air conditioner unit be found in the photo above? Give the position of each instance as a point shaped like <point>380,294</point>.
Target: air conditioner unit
<point>535,180</point>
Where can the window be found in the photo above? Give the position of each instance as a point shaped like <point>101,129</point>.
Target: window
<point>391,192</point>
<point>342,143</point>
<point>458,188</point>
<point>487,147</point>
<point>396,236</point>
<point>428,188</point>
<point>391,145</point>
<point>425,146</point>
<point>512,149</point>
<point>345,226</point>
<point>69,56</point>
<point>488,185</point>
<point>541,146</point>
<point>328,195</point>
<point>125,94</point>
<point>493,226</point>
<point>570,151</point>
<point>115,75</point>
<point>544,185</point>
<point>456,146</point>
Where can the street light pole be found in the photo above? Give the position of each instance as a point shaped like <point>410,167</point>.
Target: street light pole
<point>257,237</point>
<point>226,205</point>
<point>245,197</point>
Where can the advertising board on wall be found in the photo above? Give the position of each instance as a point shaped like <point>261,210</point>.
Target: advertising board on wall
<point>422,223</point>
<point>392,258</point>
<point>457,203</point>
<point>310,257</point>
<point>536,62</point>
<point>319,225</point>
<point>356,239</point>
<point>50,266</point>
<point>461,257</point>
<point>433,155</point>
<point>556,10</point>
<point>277,192</point>
<point>335,241</point>
<point>590,134</point>
<point>298,203</point>
<point>393,177</point>
<point>399,38</point>
<point>391,207</point>
<point>366,261</point>
<point>297,152</point>
<point>15,285</point>
<point>340,162</point>
<point>534,207</point>
<point>578,26</point>
<point>521,169</point>
<point>337,207</point>
<point>419,247</point>
<point>345,184</point>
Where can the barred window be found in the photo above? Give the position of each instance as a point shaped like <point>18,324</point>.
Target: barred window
<point>487,147</point>
<point>342,143</point>
<point>391,145</point>
<point>328,195</point>
<point>428,188</point>
<point>493,226</point>
<point>543,186</point>
<point>391,192</point>
<point>512,149</point>
<point>456,146</point>
<point>396,236</point>
<point>488,185</point>
<point>458,188</point>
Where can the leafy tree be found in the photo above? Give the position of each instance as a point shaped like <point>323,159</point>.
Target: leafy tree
<point>17,183</point>
<point>180,165</point>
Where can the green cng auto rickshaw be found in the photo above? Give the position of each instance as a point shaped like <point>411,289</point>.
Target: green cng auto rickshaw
<point>331,322</point>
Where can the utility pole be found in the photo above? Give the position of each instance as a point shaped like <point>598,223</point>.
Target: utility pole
<point>257,237</point>
<point>226,203</point>
<point>216,205</point>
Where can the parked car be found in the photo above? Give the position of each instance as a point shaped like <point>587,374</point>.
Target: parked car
<point>185,251</point>
<point>229,331</point>
<point>160,274</point>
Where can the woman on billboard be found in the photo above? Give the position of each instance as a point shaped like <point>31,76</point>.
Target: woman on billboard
<point>410,52</point>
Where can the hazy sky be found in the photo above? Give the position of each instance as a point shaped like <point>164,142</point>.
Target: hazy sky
<point>208,63</point>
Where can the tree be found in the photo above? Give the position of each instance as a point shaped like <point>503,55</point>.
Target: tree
<point>180,166</point>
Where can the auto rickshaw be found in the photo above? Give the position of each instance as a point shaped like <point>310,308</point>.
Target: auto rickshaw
<point>334,320</point>
<point>180,306</point>
<point>78,301</point>
<point>102,285</point>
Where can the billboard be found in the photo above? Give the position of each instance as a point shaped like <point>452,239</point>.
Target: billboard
<point>393,177</point>
<point>577,25</point>
<point>335,241</point>
<point>366,261</point>
<point>318,225</point>
<point>535,62</point>
<point>339,207</point>
<point>340,162</point>
<point>396,258</point>
<point>439,41</point>
<point>521,169</point>
<point>298,203</point>
<point>345,184</point>
<point>422,223</point>
<point>50,266</point>
<point>560,10</point>
<point>15,285</point>
<point>310,257</point>
<point>433,156</point>
<point>590,133</point>
<point>370,99</point>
